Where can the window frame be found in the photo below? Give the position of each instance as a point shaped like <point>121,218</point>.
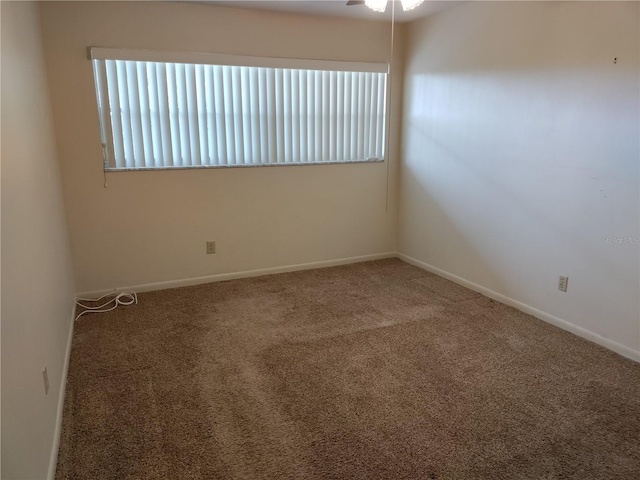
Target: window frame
<point>143,55</point>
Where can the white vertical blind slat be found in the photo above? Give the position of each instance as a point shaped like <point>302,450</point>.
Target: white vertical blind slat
<point>228,115</point>
<point>360,118</point>
<point>272,122</point>
<point>192,114</point>
<point>332,116</point>
<point>164,115</point>
<point>236,89</point>
<point>264,116</point>
<point>381,117</point>
<point>208,93</point>
<point>135,114</point>
<point>373,112</point>
<point>116,115</point>
<point>125,114</point>
<point>366,117</point>
<point>304,120</point>
<point>353,130</point>
<point>202,115</point>
<point>154,115</point>
<point>326,118</point>
<point>311,118</point>
<point>219,106</point>
<point>339,116</point>
<point>346,153</point>
<point>286,99</point>
<point>145,114</point>
<point>317,96</point>
<point>295,115</point>
<point>100,72</point>
<point>173,114</point>
<point>254,115</point>
<point>247,126</point>
<point>280,122</point>
<point>183,114</point>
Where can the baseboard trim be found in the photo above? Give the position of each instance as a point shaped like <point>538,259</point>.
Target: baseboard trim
<point>53,461</point>
<point>148,287</point>
<point>544,316</point>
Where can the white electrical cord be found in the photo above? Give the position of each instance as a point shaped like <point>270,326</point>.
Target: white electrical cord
<point>124,298</point>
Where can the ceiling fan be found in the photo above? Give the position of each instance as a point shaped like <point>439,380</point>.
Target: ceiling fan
<point>381,5</point>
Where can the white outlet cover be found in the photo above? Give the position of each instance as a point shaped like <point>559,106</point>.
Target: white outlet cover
<point>563,283</point>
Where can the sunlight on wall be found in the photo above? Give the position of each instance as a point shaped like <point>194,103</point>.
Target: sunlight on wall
<point>521,156</point>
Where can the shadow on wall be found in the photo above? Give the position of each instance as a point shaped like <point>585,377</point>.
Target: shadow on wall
<point>454,243</point>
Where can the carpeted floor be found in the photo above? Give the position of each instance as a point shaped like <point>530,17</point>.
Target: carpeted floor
<point>377,370</point>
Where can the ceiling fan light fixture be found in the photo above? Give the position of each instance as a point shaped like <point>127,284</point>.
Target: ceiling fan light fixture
<point>376,5</point>
<point>410,4</point>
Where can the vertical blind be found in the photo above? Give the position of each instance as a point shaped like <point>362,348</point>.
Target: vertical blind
<point>171,114</point>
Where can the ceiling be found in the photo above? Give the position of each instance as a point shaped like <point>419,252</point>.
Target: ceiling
<point>338,8</point>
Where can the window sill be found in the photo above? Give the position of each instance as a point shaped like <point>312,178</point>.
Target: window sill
<point>249,165</point>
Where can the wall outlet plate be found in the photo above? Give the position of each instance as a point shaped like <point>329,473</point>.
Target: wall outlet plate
<point>563,283</point>
<point>45,378</point>
<point>211,248</point>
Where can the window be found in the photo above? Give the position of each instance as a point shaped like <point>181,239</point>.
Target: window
<point>176,110</point>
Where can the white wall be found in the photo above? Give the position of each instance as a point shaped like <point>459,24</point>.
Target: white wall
<point>521,152</point>
<point>37,277</point>
<point>152,226</point>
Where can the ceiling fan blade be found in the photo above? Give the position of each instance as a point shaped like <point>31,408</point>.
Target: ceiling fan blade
<point>351,3</point>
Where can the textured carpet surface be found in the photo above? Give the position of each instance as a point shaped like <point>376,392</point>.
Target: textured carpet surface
<point>367,371</point>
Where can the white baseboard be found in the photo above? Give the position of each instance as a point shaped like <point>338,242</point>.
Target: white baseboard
<point>148,287</point>
<point>53,461</point>
<point>544,316</point>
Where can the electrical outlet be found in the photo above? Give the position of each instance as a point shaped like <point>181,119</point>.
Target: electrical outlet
<point>45,377</point>
<point>211,247</point>
<point>563,283</point>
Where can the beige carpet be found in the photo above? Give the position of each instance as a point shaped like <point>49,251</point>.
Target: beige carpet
<point>377,370</point>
